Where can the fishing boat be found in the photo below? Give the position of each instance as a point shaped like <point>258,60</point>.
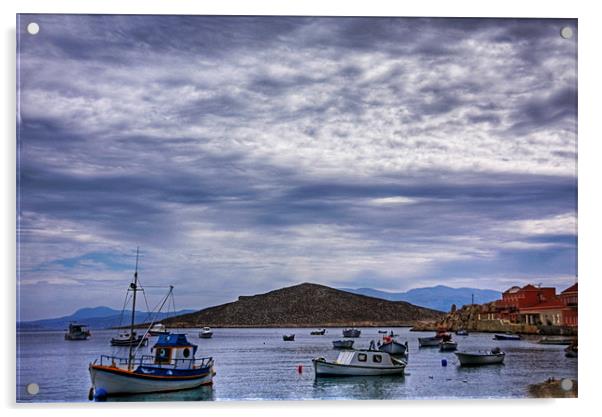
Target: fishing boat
<point>342,344</point>
<point>206,333</point>
<point>507,336</point>
<point>461,332</point>
<point>382,332</point>
<point>288,337</point>
<point>359,363</point>
<point>495,356</point>
<point>127,338</point>
<point>158,329</point>
<point>448,345</point>
<point>77,332</point>
<point>434,341</point>
<point>320,332</point>
<point>352,332</point>
<point>393,347</point>
<point>559,340</point>
<point>172,365</point>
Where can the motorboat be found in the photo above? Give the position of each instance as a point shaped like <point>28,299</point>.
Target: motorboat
<point>558,340</point>
<point>206,333</point>
<point>382,332</point>
<point>342,344</point>
<point>392,347</point>
<point>352,332</point>
<point>77,332</point>
<point>172,366</point>
<point>495,356</point>
<point>434,341</point>
<point>448,345</point>
<point>461,332</point>
<point>359,363</point>
<point>288,337</point>
<point>571,351</point>
<point>320,332</point>
<point>506,336</point>
<point>158,329</point>
<point>127,338</point>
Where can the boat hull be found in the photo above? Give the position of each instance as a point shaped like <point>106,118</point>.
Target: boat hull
<point>475,359</point>
<point>352,333</point>
<point>393,348</point>
<point>120,382</point>
<point>129,342</point>
<point>506,337</point>
<point>323,368</point>
<point>429,341</point>
<point>208,335</point>
<point>342,344</point>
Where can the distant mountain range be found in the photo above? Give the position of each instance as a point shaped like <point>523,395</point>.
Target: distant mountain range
<point>439,297</point>
<point>96,318</point>
<point>307,305</point>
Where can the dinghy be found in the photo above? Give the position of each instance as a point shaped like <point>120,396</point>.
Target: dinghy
<point>352,333</point>
<point>359,363</point>
<point>492,357</point>
<point>342,344</point>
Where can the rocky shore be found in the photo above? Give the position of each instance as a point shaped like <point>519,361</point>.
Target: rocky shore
<point>472,318</point>
<point>554,388</point>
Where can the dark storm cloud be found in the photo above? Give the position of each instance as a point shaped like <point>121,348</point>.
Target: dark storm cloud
<point>248,153</point>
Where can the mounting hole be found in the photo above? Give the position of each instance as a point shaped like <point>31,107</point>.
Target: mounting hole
<point>566,32</point>
<point>33,28</point>
<point>566,384</point>
<point>33,388</point>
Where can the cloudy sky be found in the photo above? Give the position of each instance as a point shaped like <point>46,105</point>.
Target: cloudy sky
<point>244,154</point>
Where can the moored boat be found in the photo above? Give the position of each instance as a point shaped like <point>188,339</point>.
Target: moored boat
<point>320,332</point>
<point>352,332</point>
<point>393,347</point>
<point>288,337</point>
<point>206,333</point>
<point>558,340</point>
<point>172,365</point>
<point>342,344</point>
<point>492,357</point>
<point>506,336</point>
<point>448,345</point>
<point>461,332</point>
<point>434,341</point>
<point>571,351</point>
<point>77,332</point>
<point>126,338</point>
<point>382,332</point>
<point>158,329</point>
<point>359,363</point>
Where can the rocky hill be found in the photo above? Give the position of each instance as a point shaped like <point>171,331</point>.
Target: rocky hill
<point>306,305</point>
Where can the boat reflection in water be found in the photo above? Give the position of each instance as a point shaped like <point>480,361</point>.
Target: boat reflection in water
<point>203,393</point>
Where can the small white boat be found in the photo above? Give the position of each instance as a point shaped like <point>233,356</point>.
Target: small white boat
<point>434,341</point>
<point>158,329</point>
<point>320,332</point>
<point>461,332</point>
<point>481,358</point>
<point>448,346</point>
<point>342,344</point>
<point>125,338</point>
<point>359,363</point>
<point>206,333</point>
<point>558,340</point>
<point>352,332</point>
<point>393,347</point>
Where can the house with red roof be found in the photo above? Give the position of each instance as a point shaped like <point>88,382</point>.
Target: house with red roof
<point>554,311</point>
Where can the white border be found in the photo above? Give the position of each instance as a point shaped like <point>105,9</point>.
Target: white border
<point>590,208</point>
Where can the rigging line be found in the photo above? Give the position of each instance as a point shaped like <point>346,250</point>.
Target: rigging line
<point>158,311</point>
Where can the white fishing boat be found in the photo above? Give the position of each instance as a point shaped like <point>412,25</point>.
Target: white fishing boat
<point>352,332</point>
<point>320,332</point>
<point>359,363</point>
<point>172,365</point>
<point>129,338</point>
<point>206,333</point>
<point>158,329</point>
<point>495,356</point>
<point>392,347</point>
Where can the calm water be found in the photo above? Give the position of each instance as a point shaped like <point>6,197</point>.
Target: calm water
<point>255,364</point>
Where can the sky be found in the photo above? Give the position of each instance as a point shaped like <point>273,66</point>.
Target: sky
<point>245,154</point>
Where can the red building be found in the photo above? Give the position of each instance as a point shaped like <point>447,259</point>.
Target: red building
<point>516,298</point>
<point>569,298</point>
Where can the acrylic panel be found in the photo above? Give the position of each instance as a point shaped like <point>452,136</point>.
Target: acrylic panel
<point>295,208</point>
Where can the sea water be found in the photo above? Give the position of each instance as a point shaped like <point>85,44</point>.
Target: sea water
<point>256,364</point>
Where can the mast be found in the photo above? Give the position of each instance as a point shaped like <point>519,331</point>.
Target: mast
<point>133,287</point>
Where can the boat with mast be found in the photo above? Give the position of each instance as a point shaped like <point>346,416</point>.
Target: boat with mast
<point>171,366</point>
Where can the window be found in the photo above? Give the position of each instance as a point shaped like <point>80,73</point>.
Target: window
<point>361,357</point>
<point>377,358</point>
<point>186,352</point>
